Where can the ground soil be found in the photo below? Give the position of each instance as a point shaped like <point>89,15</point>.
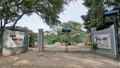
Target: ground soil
<point>58,59</point>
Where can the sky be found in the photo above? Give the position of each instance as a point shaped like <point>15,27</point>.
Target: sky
<point>72,12</point>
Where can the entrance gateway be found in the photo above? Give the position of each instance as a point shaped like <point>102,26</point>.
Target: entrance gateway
<point>105,40</point>
<point>14,41</point>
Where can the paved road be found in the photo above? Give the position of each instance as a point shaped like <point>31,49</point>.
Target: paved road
<point>35,59</point>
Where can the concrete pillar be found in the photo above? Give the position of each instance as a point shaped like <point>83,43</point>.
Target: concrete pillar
<point>40,40</point>
<point>92,38</point>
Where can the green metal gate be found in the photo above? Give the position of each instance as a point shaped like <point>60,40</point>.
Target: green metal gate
<point>26,43</point>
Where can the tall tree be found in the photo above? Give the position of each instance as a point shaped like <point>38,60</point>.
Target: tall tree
<point>13,10</point>
<point>96,8</point>
<point>76,34</point>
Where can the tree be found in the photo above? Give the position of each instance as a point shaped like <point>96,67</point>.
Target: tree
<point>33,39</point>
<point>94,14</point>
<point>51,38</point>
<point>96,9</point>
<point>13,10</point>
<point>76,34</point>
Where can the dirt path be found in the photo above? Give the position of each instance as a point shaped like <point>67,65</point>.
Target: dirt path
<point>55,58</point>
<point>60,47</point>
<point>35,59</point>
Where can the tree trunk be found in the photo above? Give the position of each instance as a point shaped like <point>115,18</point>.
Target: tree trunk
<point>13,26</point>
<point>1,36</point>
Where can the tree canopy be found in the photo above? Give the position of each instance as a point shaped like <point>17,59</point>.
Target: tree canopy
<point>13,10</point>
<point>76,34</point>
<point>48,10</point>
<point>96,9</point>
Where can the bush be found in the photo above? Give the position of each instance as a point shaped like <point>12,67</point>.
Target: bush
<point>95,46</point>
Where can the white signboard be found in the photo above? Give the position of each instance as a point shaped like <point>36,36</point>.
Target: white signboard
<point>14,39</point>
<point>103,41</point>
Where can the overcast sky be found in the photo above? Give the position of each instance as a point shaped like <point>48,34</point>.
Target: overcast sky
<point>72,12</point>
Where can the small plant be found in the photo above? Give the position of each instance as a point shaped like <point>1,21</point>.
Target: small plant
<point>95,46</point>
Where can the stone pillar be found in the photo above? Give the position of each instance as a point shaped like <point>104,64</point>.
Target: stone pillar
<point>92,38</point>
<point>40,40</point>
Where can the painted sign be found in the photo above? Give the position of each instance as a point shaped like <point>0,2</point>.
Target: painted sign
<point>14,39</point>
<point>103,41</point>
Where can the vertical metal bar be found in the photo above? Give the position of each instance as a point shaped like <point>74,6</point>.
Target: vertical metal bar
<point>66,42</point>
<point>116,36</point>
<point>67,34</point>
<point>2,40</point>
<point>116,40</point>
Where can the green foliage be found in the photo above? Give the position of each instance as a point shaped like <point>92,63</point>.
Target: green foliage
<point>13,10</point>
<point>48,10</point>
<point>94,14</point>
<point>76,34</point>
<point>51,37</point>
<point>33,38</point>
<point>96,8</point>
<point>95,46</point>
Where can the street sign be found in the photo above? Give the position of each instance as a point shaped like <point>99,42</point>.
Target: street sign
<point>110,17</point>
<point>111,12</point>
<point>66,30</point>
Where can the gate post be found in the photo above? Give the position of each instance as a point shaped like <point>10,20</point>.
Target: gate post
<point>40,40</point>
<point>111,17</point>
<point>92,38</point>
<point>66,30</point>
